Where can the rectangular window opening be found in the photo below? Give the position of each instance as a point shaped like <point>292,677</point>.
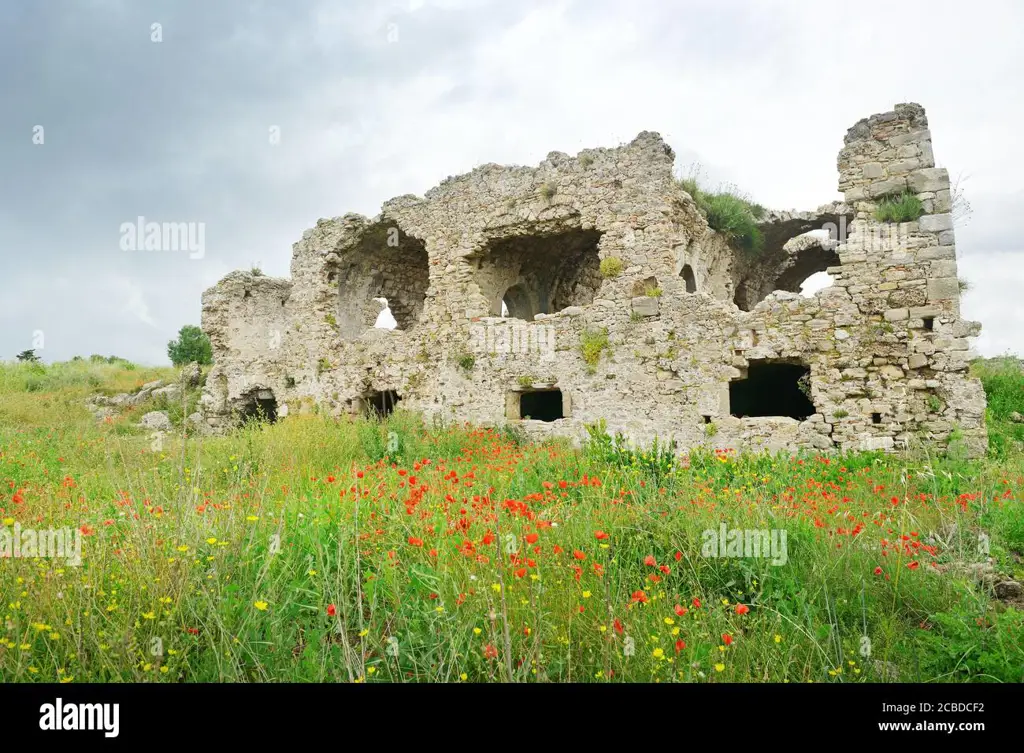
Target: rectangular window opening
<point>772,388</point>
<point>541,405</point>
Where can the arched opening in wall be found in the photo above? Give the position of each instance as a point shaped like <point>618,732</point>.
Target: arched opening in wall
<point>386,266</point>
<point>689,279</point>
<point>258,406</point>
<point>741,298</point>
<point>540,273</point>
<point>541,405</point>
<point>814,283</point>
<point>812,257</point>
<point>772,388</point>
<point>385,319</point>
<point>519,304</point>
<point>378,404</point>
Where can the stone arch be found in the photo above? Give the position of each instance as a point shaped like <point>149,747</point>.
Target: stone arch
<point>688,278</point>
<point>387,263</point>
<point>520,303</point>
<point>810,255</point>
<point>539,271</point>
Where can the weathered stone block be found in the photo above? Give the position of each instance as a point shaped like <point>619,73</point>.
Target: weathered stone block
<point>929,179</point>
<point>646,305</point>
<point>935,223</point>
<point>872,170</point>
<point>943,288</point>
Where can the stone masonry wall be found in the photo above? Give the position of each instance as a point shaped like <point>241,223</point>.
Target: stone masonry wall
<point>886,350</point>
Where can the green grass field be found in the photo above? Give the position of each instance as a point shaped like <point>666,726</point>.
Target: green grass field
<point>358,551</point>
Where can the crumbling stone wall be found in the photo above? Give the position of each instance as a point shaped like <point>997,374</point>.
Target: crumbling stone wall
<point>884,347</point>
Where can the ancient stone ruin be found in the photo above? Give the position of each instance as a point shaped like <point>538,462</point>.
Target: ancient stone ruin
<point>592,287</point>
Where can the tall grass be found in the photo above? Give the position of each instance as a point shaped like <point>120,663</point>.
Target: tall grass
<point>317,549</point>
<point>729,213</point>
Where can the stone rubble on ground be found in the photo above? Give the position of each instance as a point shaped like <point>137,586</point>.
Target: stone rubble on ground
<point>157,420</point>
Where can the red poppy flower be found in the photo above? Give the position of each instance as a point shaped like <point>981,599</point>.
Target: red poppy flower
<point>415,541</point>
<point>678,556</point>
<point>557,549</point>
<point>696,603</point>
<point>726,639</point>
<point>639,597</point>
<point>913,565</point>
<point>616,624</point>
<point>578,554</point>
<point>742,609</point>
<point>878,571</point>
<point>680,645</point>
<point>521,572</point>
<point>650,561</point>
<point>531,538</point>
<point>665,569</point>
<point>490,652</point>
<point>331,610</point>
<point>600,535</point>
<point>680,610</point>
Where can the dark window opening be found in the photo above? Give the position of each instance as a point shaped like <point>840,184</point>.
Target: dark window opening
<point>741,299</point>
<point>929,323</point>
<point>876,418</point>
<point>381,404</point>
<point>542,405</point>
<point>707,419</point>
<point>519,304</point>
<point>260,406</point>
<point>772,389</point>
<point>689,279</point>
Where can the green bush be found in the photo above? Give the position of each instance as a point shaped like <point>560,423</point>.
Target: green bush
<point>192,345</point>
<point>611,267</point>
<point>592,342</point>
<point>902,207</point>
<point>728,213</point>
<point>1003,380</point>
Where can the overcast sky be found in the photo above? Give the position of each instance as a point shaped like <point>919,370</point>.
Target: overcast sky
<point>370,99</point>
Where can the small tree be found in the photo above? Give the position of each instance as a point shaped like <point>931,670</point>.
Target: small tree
<point>28,355</point>
<point>192,345</point>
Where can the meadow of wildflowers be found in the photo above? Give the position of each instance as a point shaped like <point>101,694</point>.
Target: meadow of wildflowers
<point>315,550</point>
